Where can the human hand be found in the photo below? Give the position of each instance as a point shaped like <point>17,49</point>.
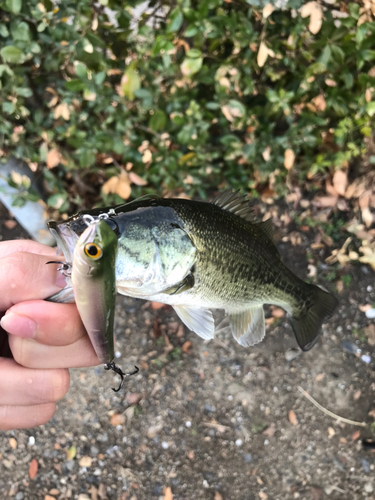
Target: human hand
<point>39,340</point>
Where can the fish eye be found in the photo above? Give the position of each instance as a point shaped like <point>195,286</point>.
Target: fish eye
<point>93,251</point>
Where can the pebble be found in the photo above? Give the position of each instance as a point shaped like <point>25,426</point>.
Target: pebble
<point>19,496</point>
<point>209,408</point>
<point>248,458</point>
<point>164,445</point>
<point>188,423</point>
<point>370,313</point>
<point>238,442</point>
<point>31,441</point>
<point>366,358</point>
<point>291,354</point>
<point>366,465</point>
<point>350,347</point>
<point>369,488</point>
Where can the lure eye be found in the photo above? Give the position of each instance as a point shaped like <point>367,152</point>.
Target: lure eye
<point>93,251</point>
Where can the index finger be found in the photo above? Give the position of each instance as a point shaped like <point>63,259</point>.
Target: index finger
<point>13,246</point>
<point>25,276</point>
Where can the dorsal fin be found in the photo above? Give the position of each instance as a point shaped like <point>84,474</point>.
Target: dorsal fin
<point>267,228</point>
<point>235,203</point>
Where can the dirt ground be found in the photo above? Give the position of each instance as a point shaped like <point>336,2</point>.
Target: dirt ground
<point>211,420</point>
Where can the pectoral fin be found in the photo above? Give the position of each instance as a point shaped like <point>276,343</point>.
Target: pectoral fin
<point>64,296</point>
<point>199,321</point>
<point>248,327</point>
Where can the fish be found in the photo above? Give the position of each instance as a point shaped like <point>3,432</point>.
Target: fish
<point>198,256</point>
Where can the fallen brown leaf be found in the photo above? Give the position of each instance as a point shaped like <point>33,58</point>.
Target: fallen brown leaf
<point>262,54</point>
<point>186,347</point>
<point>13,443</point>
<point>357,394</point>
<point>356,435</point>
<point>136,179</point>
<point>10,224</point>
<point>168,493</point>
<point>370,334</point>
<point>314,10</point>
<point>340,182</point>
<point>270,431</point>
<point>134,398</point>
<point>33,468</point>
<point>53,158</point>
<point>117,419</point>
<point>217,494</point>
<point>156,305</point>
<point>289,158</point>
<point>292,418</point>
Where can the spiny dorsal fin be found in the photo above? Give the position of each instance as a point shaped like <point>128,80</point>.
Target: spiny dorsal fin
<point>267,228</point>
<point>235,203</point>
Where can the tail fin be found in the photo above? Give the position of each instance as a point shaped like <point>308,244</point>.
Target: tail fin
<point>306,323</point>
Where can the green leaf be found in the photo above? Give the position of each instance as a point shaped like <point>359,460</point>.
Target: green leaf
<point>12,54</point>
<point>175,20</point>
<point>20,31</point>
<point>130,83</point>
<point>75,85</point>
<point>14,6</point>
<point>371,108</point>
<point>191,31</point>
<point>191,66</point>
<point>158,120</point>
<point>193,53</point>
<point>3,31</point>
<point>8,107</point>
<point>24,91</point>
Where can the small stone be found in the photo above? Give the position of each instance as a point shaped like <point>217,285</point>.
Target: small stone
<point>291,354</point>
<point>31,441</point>
<point>366,465</point>
<point>366,358</point>
<point>164,445</point>
<point>188,423</point>
<point>368,488</point>
<point>248,458</point>
<point>19,496</point>
<point>85,461</point>
<point>238,442</point>
<point>209,408</point>
<point>370,313</point>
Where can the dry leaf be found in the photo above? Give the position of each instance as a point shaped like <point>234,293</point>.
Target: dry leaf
<point>266,153</point>
<point>53,158</point>
<point>340,182</point>
<point>117,419</point>
<point>217,496</point>
<point>267,10</point>
<point>156,305</point>
<point>314,10</point>
<point>364,308</point>
<point>319,102</point>
<point>168,495</point>
<point>33,468</point>
<point>62,110</point>
<point>331,432</point>
<point>319,377</point>
<point>289,158</point>
<point>262,54</point>
<point>357,394</point>
<point>186,346</point>
<point>85,461</point>
<point>119,184</point>
<point>356,435</point>
<point>370,334</point>
<point>262,495</point>
<point>10,224</point>
<point>147,156</point>
<point>136,179</point>
<point>13,443</point>
<point>292,418</point>
<point>133,398</point>
<point>270,431</point>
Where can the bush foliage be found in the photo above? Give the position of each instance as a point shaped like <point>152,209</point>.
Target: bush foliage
<point>189,96</point>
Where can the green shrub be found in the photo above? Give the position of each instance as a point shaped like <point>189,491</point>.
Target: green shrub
<point>207,93</point>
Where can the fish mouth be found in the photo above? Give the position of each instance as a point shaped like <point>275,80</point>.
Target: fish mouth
<point>66,239</point>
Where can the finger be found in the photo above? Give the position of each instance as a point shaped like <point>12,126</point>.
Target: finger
<point>24,417</point>
<point>21,386</point>
<point>34,355</point>
<point>46,322</point>
<point>14,246</point>
<point>25,276</point>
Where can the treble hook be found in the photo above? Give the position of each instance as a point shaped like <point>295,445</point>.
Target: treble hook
<point>112,366</point>
<point>65,267</point>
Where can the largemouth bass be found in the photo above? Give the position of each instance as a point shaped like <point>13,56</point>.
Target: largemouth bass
<point>198,256</point>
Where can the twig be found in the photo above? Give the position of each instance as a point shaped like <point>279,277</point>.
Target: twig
<point>327,412</point>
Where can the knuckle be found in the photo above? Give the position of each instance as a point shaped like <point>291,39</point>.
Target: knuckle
<point>56,384</point>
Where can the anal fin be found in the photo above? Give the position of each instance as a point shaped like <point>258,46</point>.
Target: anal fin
<point>200,321</point>
<point>248,327</point>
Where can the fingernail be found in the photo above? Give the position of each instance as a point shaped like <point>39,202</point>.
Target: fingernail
<point>19,325</point>
<point>60,280</point>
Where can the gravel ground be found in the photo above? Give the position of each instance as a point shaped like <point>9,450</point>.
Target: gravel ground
<point>210,420</point>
